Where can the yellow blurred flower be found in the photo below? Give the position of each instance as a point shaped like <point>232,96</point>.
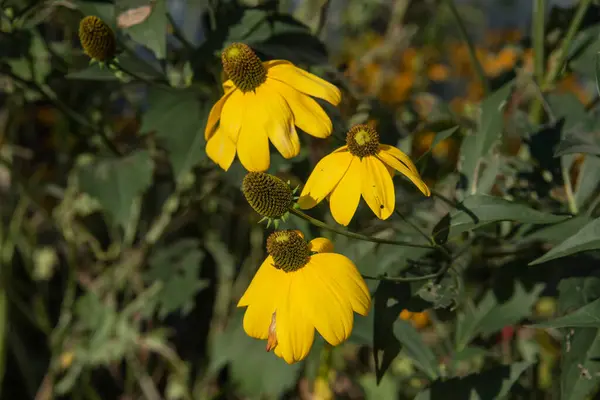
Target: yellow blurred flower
<point>419,319</point>
<point>362,167</point>
<point>265,101</point>
<point>301,287</point>
<point>438,72</point>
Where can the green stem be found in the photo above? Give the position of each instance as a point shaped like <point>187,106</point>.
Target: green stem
<point>425,235</point>
<point>137,77</point>
<point>537,34</point>
<point>573,209</point>
<point>353,235</point>
<point>471,47</point>
<point>436,275</point>
<point>560,58</point>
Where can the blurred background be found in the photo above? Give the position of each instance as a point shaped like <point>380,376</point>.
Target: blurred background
<point>124,250</point>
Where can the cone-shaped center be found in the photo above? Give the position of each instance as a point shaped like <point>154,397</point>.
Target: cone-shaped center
<point>243,67</point>
<point>97,38</point>
<point>267,195</point>
<point>289,250</point>
<point>362,141</point>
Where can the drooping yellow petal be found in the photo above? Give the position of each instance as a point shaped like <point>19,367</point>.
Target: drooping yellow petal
<point>321,245</point>
<point>305,82</point>
<point>343,273</point>
<point>327,173</point>
<point>215,114</point>
<point>346,195</point>
<point>308,114</point>
<point>377,187</point>
<point>393,162</point>
<point>397,153</point>
<point>262,297</point>
<point>279,123</point>
<point>253,142</point>
<point>330,310</point>
<point>271,63</point>
<point>220,149</point>
<point>295,333</point>
<point>233,115</point>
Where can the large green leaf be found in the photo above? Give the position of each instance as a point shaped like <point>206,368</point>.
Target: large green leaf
<point>491,315</point>
<point>178,118</point>
<point>476,147</point>
<point>391,334</point>
<point>587,316</point>
<point>588,181</point>
<point>581,355</point>
<point>152,32</point>
<point>492,384</point>
<point>556,233</point>
<point>588,238</point>
<point>257,372</point>
<point>177,267</point>
<point>480,210</point>
<point>117,182</point>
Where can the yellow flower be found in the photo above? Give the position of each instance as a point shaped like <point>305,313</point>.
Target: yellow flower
<point>362,166</point>
<point>301,287</point>
<point>264,101</point>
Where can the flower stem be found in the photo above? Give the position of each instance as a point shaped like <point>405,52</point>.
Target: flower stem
<point>425,235</point>
<point>537,33</point>
<point>472,53</point>
<point>354,235</point>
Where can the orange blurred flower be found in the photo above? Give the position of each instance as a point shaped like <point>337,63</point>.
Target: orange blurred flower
<point>419,320</point>
<point>438,72</point>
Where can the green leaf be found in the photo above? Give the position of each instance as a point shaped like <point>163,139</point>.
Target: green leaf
<point>581,354</point>
<point>257,372</point>
<point>576,144</point>
<point>588,238</point>
<point>587,316</point>
<point>480,210</point>
<point>152,32</point>
<point>391,334</point>
<point>494,383</point>
<point>440,136</point>
<point>588,180</point>
<point>556,233</point>
<point>387,389</point>
<point>476,147</point>
<point>177,267</point>
<point>178,118</point>
<point>117,182</point>
<point>491,315</point>
<point>104,11</point>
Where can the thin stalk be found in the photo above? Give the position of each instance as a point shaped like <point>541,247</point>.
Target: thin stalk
<point>471,47</point>
<point>425,235</point>
<point>572,203</point>
<point>436,275</point>
<point>537,33</point>
<point>560,58</point>
<point>354,235</point>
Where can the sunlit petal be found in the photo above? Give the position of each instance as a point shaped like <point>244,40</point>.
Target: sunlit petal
<point>327,173</point>
<point>377,187</point>
<point>220,149</point>
<point>397,153</point>
<point>321,245</point>
<point>393,162</point>
<point>305,82</point>
<point>234,115</point>
<point>279,122</point>
<point>346,195</point>
<point>215,114</point>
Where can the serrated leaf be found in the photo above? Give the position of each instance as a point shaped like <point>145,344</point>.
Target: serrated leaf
<point>177,268</point>
<point>152,32</point>
<point>491,316</point>
<point>476,147</point>
<point>178,118</point>
<point>587,316</point>
<point>117,182</point>
<point>479,210</point>
<point>588,238</point>
<point>492,384</point>
<point>245,355</point>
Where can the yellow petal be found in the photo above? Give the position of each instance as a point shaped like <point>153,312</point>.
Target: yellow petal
<point>308,114</point>
<point>271,63</point>
<point>377,187</point>
<point>295,332</point>
<point>397,153</point>
<point>279,123</point>
<point>233,113</point>
<point>330,310</point>
<point>215,114</point>
<point>253,142</point>
<point>261,283</point>
<point>342,271</point>
<point>414,177</point>
<point>305,82</point>
<point>346,195</point>
<point>220,149</point>
<point>228,84</point>
<point>324,177</point>
<point>321,245</point>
